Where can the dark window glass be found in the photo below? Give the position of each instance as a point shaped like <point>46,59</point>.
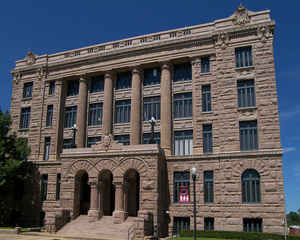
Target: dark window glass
<point>47,148</point>
<point>207,138</point>
<point>183,105</point>
<point>51,87</point>
<point>147,138</point>
<point>208,186</point>
<point>205,64</point>
<point>124,139</point>
<point>122,114</point>
<point>93,140</point>
<point>181,224</point>
<point>58,183</point>
<point>123,80</point>
<point>209,223</point>
<point>49,116</point>
<point>243,56</point>
<point>152,76</point>
<point>182,72</point>
<point>95,114</point>
<point>206,98</point>
<point>67,143</point>
<point>25,118</point>
<point>44,187</point>
<point>183,142</point>
<point>251,186</point>
<point>97,84</point>
<point>73,87</point>
<point>180,179</point>
<point>246,93</point>
<point>27,90</point>
<point>248,136</point>
<point>70,116</point>
<point>252,224</point>
<point>151,108</point>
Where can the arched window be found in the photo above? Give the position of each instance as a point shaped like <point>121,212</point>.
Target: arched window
<point>251,186</point>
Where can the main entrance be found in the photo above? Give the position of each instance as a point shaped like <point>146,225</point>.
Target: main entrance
<point>82,193</point>
<point>107,193</point>
<point>132,192</point>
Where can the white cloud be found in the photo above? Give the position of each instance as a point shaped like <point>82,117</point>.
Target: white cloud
<point>289,149</point>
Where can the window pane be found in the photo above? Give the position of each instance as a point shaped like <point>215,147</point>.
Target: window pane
<point>123,80</point>
<point>151,108</point>
<point>248,136</point>
<point>205,64</point>
<point>27,90</point>
<point>97,84</point>
<point>122,111</point>
<point>243,56</point>
<point>251,186</point>
<point>124,139</point>
<point>70,116</point>
<point>25,118</point>
<point>182,105</point>
<point>152,76</point>
<point>73,87</point>
<point>95,114</point>
<point>182,72</point>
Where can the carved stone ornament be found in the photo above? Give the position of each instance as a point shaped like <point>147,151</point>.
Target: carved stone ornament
<point>263,33</point>
<point>241,16</point>
<point>223,40</point>
<point>17,77</point>
<point>30,58</point>
<point>107,144</point>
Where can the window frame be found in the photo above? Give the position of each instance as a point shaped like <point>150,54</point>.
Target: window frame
<point>150,79</point>
<point>58,186</point>
<point>67,143</point>
<point>147,137</point>
<point>51,90</point>
<point>25,118</point>
<point>183,105</point>
<point>72,88</point>
<point>123,139</point>
<point>183,180</point>
<point>206,98</point>
<point>244,60</point>
<point>209,223</point>
<point>182,72</point>
<point>122,111</point>
<point>27,90</point>
<point>151,108</point>
<point>70,112</point>
<point>97,84</point>
<point>91,143</point>
<point>208,187</point>
<point>44,187</point>
<point>187,138</point>
<point>207,138</point>
<point>247,221</point>
<point>49,115</point>
<point>250,196</point>
<point>47,148</point>
<point>249,139</point>
<point>246,93</point>
<point>94,110</point>
<point>124,80</point>
<point>205,64</point>
<point>186,225</point>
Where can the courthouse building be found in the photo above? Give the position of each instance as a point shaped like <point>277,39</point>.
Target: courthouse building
<point>211,89</point>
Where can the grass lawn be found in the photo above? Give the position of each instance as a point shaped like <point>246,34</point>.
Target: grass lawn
<point>198,238</point>
<point>11,228</point>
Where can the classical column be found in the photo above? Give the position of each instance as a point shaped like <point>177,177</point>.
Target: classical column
<point>119,213</point>
<point>82,112</point>
<point>135,122</point>
<point>108,104</point>
<point>166,108</point>
<point>94,205</point>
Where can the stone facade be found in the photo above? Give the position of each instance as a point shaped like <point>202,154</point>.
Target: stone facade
<point>147,171</point>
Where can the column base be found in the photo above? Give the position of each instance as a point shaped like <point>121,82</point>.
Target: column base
<point>119,216</point>
<point>94,215</point>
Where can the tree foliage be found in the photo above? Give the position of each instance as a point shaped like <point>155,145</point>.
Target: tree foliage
<point>293,218</point>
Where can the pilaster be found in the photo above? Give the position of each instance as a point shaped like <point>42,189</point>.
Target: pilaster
<point>108,104</point>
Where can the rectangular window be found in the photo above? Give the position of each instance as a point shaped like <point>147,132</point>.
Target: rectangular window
<point>207,138</point>
<point>25,118</point>
<point>47,148</point>
<point>73,87</point>
<point>205,64</point>
<point>51,87</point>
<point>252,224</point>
<point>93,140</point>
<point>183,105</point>
<point>208,186</point>
<point>248,135</point>
<point>183,144</point>
<point>147,138</point>
<point>123,139</point>
<point>27,90</point>
<point>123,80</point>
<point>181,224</point>
<point>243,57</point>
<point>182,72</point>
<point>246,93</point>
<point>122,114</point>
<point>206,98</point>
<point>67,143</point>
<point>58,183</point>
<point>95,114</point>
<point>180,179</point>
<point>209,223</point>
<point>70,116</point>
<point>44,186</point>
<point>97,84</point>
<point>151,108</point>
<point>49,116</point>
<point>152,76</point>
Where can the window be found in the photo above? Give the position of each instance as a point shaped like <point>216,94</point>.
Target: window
<point>180,224</point>
<point>243,57</point>
<point>95,114</point>
<point>152,76</point>
<point>70,116</point>
<point>180,179</point>
<point>58,183</point>
<point>182,72</point>
<point>207,138</point>
<point>205,64</point>
<point>183,142</point>
<point>73,87</point>
<point>248,136</point>
<point>123,139</point>
<point>47,148</point>
<point>97,84</point>
<point>123,109</point>
<point>251,186</point>
<point>147,138</point>
<point>67,143</point>
<point>206,98</point>
<point>49,116</point>
<point>246,93</point>
<point>151,108</point>
<point>93,140</point>
<point>27,90</point>
<point>208,186</point>
<point>123,80</point>
<point>25,118</point>
<point>183,105</point>
<point>44,185</point>
<point>252,224</point>
<point>209,223</point>
<point>51,87</point>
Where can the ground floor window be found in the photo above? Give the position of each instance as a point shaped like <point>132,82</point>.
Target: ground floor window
<point>252,224</point>
<point>209,223</point>
<point>180,224</point>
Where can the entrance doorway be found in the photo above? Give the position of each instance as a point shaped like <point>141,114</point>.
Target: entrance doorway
<point>107,193</point>
<point>132,196</point>
<point>82,192</point>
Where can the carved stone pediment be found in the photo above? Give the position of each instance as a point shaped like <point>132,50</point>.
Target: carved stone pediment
<point>30,58</point>
<point>241,16</point>
<point>107,144</point>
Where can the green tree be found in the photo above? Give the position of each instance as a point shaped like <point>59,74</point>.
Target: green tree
<point>293,218</point>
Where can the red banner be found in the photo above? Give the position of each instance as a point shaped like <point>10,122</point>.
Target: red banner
<point>184,195</point>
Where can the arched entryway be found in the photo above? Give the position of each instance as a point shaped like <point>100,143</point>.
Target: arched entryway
<point>132,192</point>
<point>107,193</point>
<point>82,193</point>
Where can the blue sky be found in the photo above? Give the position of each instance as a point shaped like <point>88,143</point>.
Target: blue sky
<point>54,26</point>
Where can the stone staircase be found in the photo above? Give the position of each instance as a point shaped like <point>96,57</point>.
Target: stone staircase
<point>101,229</point>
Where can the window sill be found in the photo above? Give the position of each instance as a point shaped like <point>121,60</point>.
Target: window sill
<point>182,204</point>
<point>244,68</point>
<point>247,108</point>
<point>94,126</point>
<point>98,92</point>
<point>23,130</point>
<point>207,112</point>
<point>122,124</point>
<point>26,98</point>
<point>249,151</point>
<point>205,73</point>
<point>183,118</point>
<point>182,82</point>
<point>151,85</point>
<point>48,127</point>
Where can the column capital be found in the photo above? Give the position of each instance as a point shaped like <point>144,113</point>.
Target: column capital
<point>166,65</point>
<point>109,74</point>
<point>137,70</point>
<point>93,184</point>
<point>195,60</point>
<point>83,78</point>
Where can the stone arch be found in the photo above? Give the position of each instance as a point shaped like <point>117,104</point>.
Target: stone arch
<point>105,164</point>
<point>138,164</point>
<point>241,166</point>
<point>85,165</point>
